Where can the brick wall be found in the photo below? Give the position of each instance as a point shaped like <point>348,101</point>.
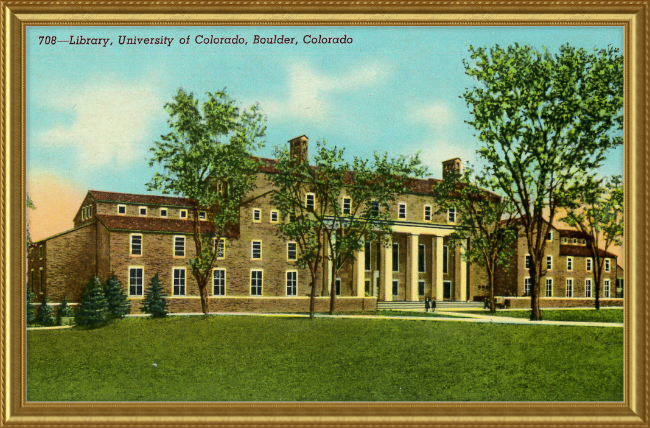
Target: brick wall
<point>544,302</point>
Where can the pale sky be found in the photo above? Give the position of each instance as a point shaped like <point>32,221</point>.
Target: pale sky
<point>93,112</point>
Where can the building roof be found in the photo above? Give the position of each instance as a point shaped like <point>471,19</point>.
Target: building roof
<point>567,233</point>
<point>157,224</point>
<point>582,251</point>
<point>131,198</point>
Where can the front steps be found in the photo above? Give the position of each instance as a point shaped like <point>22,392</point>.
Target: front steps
<point>419,306</point>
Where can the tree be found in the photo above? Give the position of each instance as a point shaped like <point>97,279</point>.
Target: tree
<point>596,210</point>
<point>485,222</point>
<point>545,122</point>
<point>155,301</point>
<point>64,311</point>
<point>46,316</point>
<point>93,309</point>
<point>118,304</point>
<point>207,158</point>
<point>326,223</point>
<point>31,310</point>
<point>30,205</point>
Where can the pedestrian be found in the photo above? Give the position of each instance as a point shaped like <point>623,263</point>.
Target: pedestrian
<point>426,304</point>
<point>433,305</point>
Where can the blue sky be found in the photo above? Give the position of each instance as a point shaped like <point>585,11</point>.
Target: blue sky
<point>93,112</point>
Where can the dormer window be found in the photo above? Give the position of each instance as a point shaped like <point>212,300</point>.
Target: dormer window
<point>163,212</point>
<point>182,214</point>
<point>347,205</point>
<point>202,215</point>
<point>401,210</point>
<point>142,211</point>
<point>427,213</point>
<point>121,209</point>
<point>575,241</point>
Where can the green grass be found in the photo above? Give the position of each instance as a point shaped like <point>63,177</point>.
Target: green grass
<point>584,315</point>
<point>224,358</point>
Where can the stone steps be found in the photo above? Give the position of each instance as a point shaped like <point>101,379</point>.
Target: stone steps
<point>419,306</point>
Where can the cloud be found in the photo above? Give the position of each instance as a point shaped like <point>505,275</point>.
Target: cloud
<point>111,121</point>
<point>57,200</point>
<point>434,152</point>
<point>310,91</point>
<point>436,115</point>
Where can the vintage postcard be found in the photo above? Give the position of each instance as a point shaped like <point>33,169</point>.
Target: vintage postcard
<point>240,213</point>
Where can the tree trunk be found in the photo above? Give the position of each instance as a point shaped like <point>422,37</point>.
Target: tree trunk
<point>203,291</point>
<point>493,307</point>
<point>597,278</point>
<point>312,297</point>
<point>535,313</point>
<point>333,289</point>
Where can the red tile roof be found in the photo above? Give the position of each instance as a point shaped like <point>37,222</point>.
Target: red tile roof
<point>157,224</point>
<point>99,195</point>
<point>582,251</point>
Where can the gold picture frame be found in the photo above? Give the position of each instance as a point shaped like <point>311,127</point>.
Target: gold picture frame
<point>634,16</point>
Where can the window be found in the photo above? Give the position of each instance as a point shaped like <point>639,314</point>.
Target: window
<point>451,215</point>
<point>606,290</point>
<point>221,250</point>
<point>33,285</point>
<point>310,201</point>
<point>427,213</point>
<point>40,252</point>
<point>219,282</point>
<point>395,257</point>
<point>135,281</point>
<point>163,212</point>
<point>142,211</point>
<point>182,214</point>
<point>121,209</point>
<point>292,283</point>
<point>569,263</point>
<point>395,287</point>
<point>584,242</point>
<point>274,216</point>
<point>179,246</point>
<point>527,286</point>
<point>549,237</point>
<point>257,215</point>
<point>374,205</point>
<point>366,255</point>
<point>201,215</point>
<point>445,259</point>
<point>378,256</point>
<point>347,205</point>
<point>421,287</point>
<point>401,210</point>
<point>422,258</point>
<point>565,240</point>
<point>589,263</point>
<point>256,250</point>
<point>368,290</point>
<point>549,262</point>
<point>90,210</point>
<point>337,284</point>
<point>575,241</point>
<point>83,213</point>
<point>136,244</point>
<point>528,261</point>
<point>549,287</point>
<point>256,282</point>
<point>40,280</point>
<point>569,287</point>
<point>178,288</point>
<point>588,287</point>
<point>292,251</point>
<point>607,265</point>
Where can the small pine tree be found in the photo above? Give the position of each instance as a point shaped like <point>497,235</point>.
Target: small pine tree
<point>64,311</point>
<point>118,305</point>
<point>93,309</point>
<point>31,310</point>
<point>155,301</point>
<point>46,316</point>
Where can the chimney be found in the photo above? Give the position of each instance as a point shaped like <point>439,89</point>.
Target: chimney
<point>451,165</point>
<point>299,148</point>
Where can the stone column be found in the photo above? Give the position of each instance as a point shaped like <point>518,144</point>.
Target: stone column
<point>438,268</point>
<point>360,272</point>
<point>461,273</point>
<point>386,274</point>
<point>412,277</point>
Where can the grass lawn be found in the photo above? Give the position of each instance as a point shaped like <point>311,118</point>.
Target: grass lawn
<point>224,358</point>
<point>586,315</point>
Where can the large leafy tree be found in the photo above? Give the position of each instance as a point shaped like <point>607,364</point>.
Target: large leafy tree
<point>206,157</point>
<point>328,230</point>
<point>545,122</point>
<point>596,209</point>
<point>485,221</point>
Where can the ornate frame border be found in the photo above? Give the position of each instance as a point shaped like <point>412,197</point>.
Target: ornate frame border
<point>16,15</point>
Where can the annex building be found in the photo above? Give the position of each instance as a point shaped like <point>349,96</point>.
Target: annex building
<point>138,236</point>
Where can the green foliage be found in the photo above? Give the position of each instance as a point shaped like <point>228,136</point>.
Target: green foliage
<point>207,157</point>
<point>45,315</point>
<point>118,305</point>
<point>155,301</point>
<point>64,311</point>
<point>30,205</point>
<point>31,310</point>
<point>545,122</point>
<point>93,309</point>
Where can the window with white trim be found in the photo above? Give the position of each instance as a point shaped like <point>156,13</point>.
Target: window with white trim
<point>347,205</point>
<point>292,251</point>
<point>202,215</point>
<point>528,259</point>
<point>549,236</point>
<point>256,249</point>
<point>427,213</point>
<point>182,214</point>
<point>135,281</point>
<point>121,209</point>
<point>527,286</point>
<point>163,212</point>
<point>310,201</point>
<point>606,288</point>
<point>221,250</point>
<point>588,287</point>
<point>40,252</point>
<point>549,262</point>
<point>219,282</point>
<point>178,286</point>
<point>607,265</point>
<point>549,287</point>
<point>569,287</point>
<point>257,215</point>
<point>136,244</point>
<point>256,282</point>
<point>179,246</point>
<point>142,211</point>
<point>589,264</point>
<point>569,263</point>
<point>451,215</point>
<point>292,283</point>
<point>401,210</point>
<point>274,216</point>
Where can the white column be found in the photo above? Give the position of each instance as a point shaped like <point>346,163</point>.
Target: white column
<point>412,265</point>
<point>386,274</point>
<point>463,275</point>
<point>438,268</point>
<point>360,272</point>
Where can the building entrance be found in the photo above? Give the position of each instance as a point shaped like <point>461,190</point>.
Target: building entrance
<point>446,290</point>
